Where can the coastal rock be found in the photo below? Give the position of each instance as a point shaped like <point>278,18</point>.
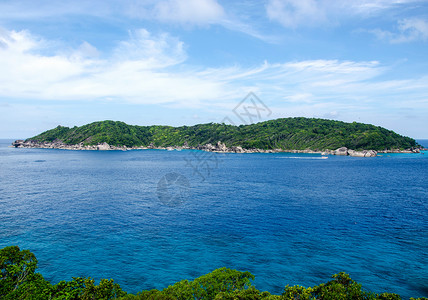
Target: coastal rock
<point>327,152</point>
<point>237,149</point>
<point>18,143</point>
<point>103,146</point>
<point>356,153</point>
<point>221,147</point>
<point>208,147</point>
<point>370,153</point>
<point>308,151</point>
<point>364,153</point>
<point>341,151</point>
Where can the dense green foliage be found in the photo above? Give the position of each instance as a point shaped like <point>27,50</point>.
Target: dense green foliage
<point>19,280</point>
<point>287,134</point>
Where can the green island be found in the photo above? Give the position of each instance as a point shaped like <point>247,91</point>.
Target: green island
<point>19,280</point>
<point>276,135</point>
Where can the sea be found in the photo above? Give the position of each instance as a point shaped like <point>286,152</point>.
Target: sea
<point>150,218</point>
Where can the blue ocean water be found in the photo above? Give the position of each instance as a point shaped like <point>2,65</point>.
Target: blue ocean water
<point>424,143</point>
<point>286,218</point>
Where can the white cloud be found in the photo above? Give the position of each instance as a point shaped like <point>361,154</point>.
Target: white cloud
<point>197,13</point>
<point>152,69</point>
<point>408,30</point>
<point>372,7</point>
<point>155,51</point>
<point>137,71</point>
<point>194,12</point>
<point>189,11</point>
<point>311,13</point>
<point>293,13</point>
<point>86,50</point>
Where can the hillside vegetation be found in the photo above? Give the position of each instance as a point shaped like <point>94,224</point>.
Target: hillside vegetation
<point>19,280</point>
<point>286,134</point>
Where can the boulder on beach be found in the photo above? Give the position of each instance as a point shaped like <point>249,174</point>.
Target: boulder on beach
<point>103,146</point>
<point>341,151</point>
<point>370,153</point>
<point>221,147</point>
<point>238,149</point>
<point>356,153</point>
<point>364,153</point>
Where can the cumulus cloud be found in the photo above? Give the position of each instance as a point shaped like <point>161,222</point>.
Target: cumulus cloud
<point>152,69</point>
<point>136,71</point>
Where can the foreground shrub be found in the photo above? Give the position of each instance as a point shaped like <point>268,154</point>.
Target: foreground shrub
<point>18,280</point>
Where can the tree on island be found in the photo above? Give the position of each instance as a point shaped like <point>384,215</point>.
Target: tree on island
<point>285,134</point>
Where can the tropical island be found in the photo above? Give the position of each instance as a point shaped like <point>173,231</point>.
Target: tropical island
<point>19,280</point>
<point>299,135</point>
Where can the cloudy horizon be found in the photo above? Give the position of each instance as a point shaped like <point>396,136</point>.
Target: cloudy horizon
<point>185,62</point>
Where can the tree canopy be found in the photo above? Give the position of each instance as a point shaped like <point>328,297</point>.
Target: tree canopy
<point>18,280</point>
<point>285,134</point>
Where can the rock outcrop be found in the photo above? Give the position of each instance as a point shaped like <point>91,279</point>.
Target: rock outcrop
<point>18,144</point>
<point>237,149</point>
<point>219,147</point>
<point>103,146</point>
<point>370,153</point>
<point>356,153</point>
<point>364,153</point>
<point>341,151</point>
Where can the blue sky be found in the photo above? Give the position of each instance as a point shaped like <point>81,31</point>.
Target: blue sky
<point>183,62</point>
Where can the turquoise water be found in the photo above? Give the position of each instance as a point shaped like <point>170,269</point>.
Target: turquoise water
<point>287,218</point>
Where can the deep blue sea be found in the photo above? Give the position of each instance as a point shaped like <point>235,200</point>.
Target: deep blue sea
<point>150,218</point>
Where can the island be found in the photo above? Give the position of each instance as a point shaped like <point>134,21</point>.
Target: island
<point>297,135</point>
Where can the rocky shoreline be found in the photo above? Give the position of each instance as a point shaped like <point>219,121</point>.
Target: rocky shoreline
<point>219,147</point>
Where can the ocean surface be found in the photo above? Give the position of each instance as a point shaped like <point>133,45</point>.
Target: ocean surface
<point>150,218</point>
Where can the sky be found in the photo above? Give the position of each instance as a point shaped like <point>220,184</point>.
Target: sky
<point>184,62</point>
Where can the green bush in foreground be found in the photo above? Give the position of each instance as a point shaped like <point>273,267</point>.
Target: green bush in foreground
<point>18,280</point>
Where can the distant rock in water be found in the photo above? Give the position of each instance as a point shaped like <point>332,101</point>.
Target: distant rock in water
<point>297,135</point>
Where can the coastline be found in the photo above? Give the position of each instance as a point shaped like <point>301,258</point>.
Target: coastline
<point>218,148</point>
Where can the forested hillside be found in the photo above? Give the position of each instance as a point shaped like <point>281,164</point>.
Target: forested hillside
<point>286,134</point>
